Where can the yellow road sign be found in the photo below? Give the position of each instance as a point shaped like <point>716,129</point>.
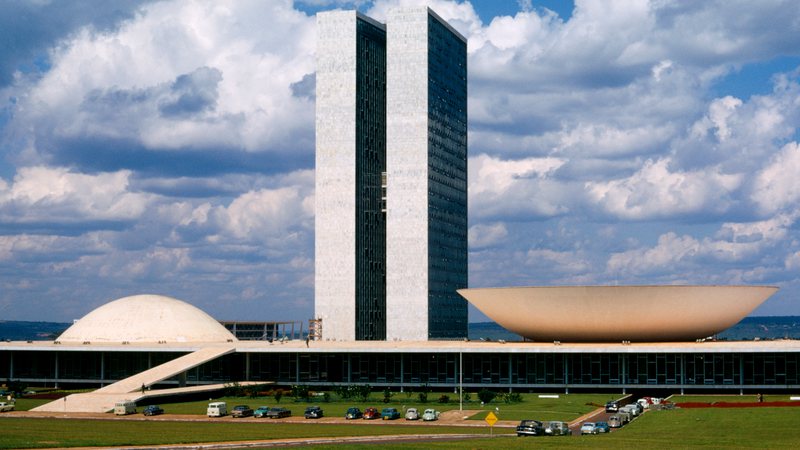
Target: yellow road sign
<point>491,419</point>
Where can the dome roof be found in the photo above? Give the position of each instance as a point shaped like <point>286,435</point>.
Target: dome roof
<point>147,318</point>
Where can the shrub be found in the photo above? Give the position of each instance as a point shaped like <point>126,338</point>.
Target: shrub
<point>444,398</point>
<point>300,392</point>
<point>486,395</point>
<point>387,395</point>
<point>511,397</point>
<point>278,395</point>
<point>423,397</point>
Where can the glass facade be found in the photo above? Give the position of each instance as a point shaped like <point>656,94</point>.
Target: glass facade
<point>447,182</point>
<point>769,370</point>
<point>370,165</point>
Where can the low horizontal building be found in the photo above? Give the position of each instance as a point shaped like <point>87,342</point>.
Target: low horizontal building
<point>93,361</point>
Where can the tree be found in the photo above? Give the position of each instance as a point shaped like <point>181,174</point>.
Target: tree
<point>486,395</point>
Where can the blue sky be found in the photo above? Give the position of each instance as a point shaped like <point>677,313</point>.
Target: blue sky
<point>168,147</point>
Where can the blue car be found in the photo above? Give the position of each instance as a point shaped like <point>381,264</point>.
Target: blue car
<point>390,414</point>
<point>602,427</point>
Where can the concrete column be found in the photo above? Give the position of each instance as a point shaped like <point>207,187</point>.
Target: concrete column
<point>55,371</point>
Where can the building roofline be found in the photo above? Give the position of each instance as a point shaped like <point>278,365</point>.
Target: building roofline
<point>447,25</point>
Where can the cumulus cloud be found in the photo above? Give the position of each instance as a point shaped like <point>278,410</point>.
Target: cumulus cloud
<point>180,75</point>
<point>170,145</point>
<point>656,191</point>
<point>776,186</point>
<point>485,235</point>
<point>57,195</point>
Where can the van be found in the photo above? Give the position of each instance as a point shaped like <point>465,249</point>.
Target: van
<point>556,428</point>
<point>217,409</point>
<point>125,407</point>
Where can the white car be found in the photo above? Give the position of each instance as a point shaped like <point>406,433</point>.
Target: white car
<point>430,414</point>
<point>6,406</point>
<point>412,414</point>
<point>589,428</point>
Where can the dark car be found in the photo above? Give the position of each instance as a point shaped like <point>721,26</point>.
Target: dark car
<point>313,412</point>
<point>353,413</point>
<point>371,413</point>
<point>277,413</point>
<point>612,406</point>
<point>530,428</point>
<point>390,414</point>
<point>241,411</point>
<point>153,410</point>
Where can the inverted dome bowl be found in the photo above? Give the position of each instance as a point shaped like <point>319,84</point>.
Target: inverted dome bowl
<point>617,313</point>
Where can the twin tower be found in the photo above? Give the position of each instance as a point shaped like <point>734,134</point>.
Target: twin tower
<point>391,177</point>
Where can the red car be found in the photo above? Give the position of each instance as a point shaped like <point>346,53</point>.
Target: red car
<point>372,413</point>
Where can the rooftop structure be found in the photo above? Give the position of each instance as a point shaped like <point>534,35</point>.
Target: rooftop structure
<point>146,318</point>
<point>618,313</point>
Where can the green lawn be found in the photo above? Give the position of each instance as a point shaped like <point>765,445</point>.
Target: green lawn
<point>566,407</point>
<point>727,398</point>
<point>688,428</point>
<point>26,404</point>
<point>41,433</point>
<point>680,428</point>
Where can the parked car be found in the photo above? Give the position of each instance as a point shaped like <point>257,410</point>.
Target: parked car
<point>153,410</point>
<point>556,428</point>
<point>390,414</point>
<point>261,411</point>
<point>412,414</point>
<point>371,413</point>
<point>6,406</point>
<point>589,428</point>
<point>630,409</point>
<point>241,411</point>
<point>602,427</point>
<point>625,417</point>
<point>313,412</point>
<point>353,413</point>
<point>612,406</point>
<point>277,413</point>
<point>430,415</point>
<point>530,428</point>
<point>615,421</point>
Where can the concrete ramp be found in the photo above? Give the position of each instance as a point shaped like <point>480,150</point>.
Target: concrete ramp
<point>167,370</point>
<point>103,399</point>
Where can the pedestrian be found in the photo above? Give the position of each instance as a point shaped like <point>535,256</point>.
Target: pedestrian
<point>143,388</point>
<point>308,338</point>
<point>760,397</point>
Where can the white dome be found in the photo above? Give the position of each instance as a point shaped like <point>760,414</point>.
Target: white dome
<point>147,318</point>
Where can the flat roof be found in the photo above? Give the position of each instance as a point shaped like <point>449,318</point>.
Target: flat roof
<point>299,346</point>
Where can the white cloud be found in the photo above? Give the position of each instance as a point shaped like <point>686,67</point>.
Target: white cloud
<point>776,186</point>
<point>56,195</point>
<point>656,191</point>
<point>486,235</point>
<point>183,75</point>
<point>525,185</point>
